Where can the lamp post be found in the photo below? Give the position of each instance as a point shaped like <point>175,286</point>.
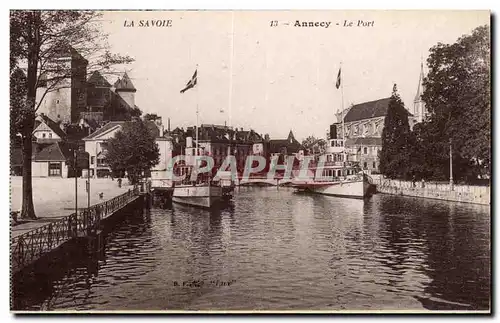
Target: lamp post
<point>76,181</point>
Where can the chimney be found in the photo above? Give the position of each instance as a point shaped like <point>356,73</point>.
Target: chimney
<point>168,126</point>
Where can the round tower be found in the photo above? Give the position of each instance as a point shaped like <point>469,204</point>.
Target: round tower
<point>126,90</point>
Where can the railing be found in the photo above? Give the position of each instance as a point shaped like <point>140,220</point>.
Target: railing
<point>30,246</point>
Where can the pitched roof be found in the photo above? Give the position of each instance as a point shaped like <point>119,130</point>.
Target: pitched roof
<point>366,141</point>
<point>52,152</point>
<point>367,110</point>
<point>103,129</point>
<point>291,144</point>
<point>65,51</point>
<point>125,84</point>
<point>53,126</point>
<point>98,80</point>
<point>151,125</point>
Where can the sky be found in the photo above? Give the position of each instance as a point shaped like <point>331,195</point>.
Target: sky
<point>282,78</point>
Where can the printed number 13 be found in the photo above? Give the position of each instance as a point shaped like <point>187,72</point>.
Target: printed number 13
<point>274,23</point>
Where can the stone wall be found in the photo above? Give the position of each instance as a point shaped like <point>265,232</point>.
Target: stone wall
<point>440,191</point>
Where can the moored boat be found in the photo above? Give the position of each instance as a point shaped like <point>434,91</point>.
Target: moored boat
<point>204,192</point>
<point>335,175</point>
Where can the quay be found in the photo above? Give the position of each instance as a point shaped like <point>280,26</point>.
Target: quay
<point>27,247</point>
<point>438,191</point>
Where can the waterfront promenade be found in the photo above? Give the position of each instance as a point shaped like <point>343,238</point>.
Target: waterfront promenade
<point>54,198</point>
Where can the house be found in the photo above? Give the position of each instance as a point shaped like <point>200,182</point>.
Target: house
<point>286,147</point>
<point>96,145</point>
<point>47,130</point>
<point>51,160</point>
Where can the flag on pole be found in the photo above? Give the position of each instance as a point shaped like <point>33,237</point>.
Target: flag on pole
<point>192,82</point>
<point>337,85</point>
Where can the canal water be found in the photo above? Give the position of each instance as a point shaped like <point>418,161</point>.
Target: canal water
<point>278,250</point>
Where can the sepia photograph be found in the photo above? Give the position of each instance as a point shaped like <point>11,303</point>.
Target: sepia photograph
<point>250,161</point>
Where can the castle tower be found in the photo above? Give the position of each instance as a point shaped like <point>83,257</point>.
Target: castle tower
<point>69,97</point>
<point>419,110</point>
<point>126,90</point>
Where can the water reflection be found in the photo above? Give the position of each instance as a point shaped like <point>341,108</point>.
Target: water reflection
<point>282,251</point>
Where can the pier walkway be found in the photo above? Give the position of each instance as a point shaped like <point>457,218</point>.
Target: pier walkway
<point>34,239</point>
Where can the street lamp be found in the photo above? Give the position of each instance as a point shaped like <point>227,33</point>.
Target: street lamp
<point>76,180</point>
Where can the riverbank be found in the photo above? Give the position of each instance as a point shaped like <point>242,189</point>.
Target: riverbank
<point>54,198</point>
<point>438,191</point>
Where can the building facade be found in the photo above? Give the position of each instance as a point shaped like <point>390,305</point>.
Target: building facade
<point>284,148</point>
<point>51,160</point>
<point>363,126</point>
<point>96,145</point>
<point>220,141</point>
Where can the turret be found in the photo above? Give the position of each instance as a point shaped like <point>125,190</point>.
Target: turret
<point>126,90</point>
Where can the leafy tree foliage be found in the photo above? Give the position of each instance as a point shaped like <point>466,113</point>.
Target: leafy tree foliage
<point>18,104</point>
<point>396,137</point>
<point>314,145</point>
<point>457,96</point>
<point>150,117</point>
<point>37,39</point>
<point>133,149</point>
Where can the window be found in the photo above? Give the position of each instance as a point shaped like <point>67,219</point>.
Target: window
<point>374,165</point>
<point>92,160</point>
<point>55,169</point>
<point>365,165</point>
<point>50,134</point>
<point>43,135</point>
<point>365,150</point>
<point>332,143</point>
<point>57,101</point>
<point>328,158</point>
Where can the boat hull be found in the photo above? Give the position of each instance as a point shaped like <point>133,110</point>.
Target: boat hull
<point>350,189</point>
<point>201,196</point>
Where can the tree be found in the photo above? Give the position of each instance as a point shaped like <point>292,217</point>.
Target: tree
<point>457,96</point>
<point>18,109</point>
<point>314,145</point>
<point>133,149</point>
<point>150,117</point>
<point>394,156</point>
<point>38,39</point>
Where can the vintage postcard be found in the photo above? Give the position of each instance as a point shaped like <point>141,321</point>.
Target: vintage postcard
<point>250,161</point>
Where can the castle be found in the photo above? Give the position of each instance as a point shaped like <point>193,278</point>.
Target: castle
<point>75,97</point>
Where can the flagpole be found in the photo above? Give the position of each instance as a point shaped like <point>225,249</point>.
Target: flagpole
<point>342,107</point>
<point>197,110</point>
<point>231,70</point>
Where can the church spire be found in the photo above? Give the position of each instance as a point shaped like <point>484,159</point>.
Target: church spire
<point>420,88</point>
<point>418,104</point>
